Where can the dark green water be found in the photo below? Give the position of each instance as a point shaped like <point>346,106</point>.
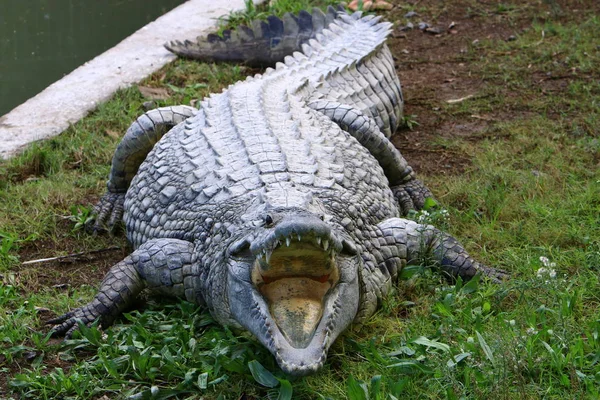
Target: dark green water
<point>43,40</point>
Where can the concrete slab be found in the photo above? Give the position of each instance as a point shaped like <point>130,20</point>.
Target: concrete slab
<point>74,96</point>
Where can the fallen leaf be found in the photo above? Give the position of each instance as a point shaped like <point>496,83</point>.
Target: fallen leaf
<point>370,5</point>
<point>112,134</point>
<point>354,5</point>
<point>434,30</point>
<point>153,93</point>
<point>382,5</point>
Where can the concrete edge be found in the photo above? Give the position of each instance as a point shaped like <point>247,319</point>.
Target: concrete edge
<point>71,98</point>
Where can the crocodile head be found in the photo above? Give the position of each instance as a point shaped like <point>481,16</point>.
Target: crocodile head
<point>293,283</point>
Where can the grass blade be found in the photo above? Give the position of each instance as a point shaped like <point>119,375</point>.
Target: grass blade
<point>357,390</point>
<point>285,390</point>
<point>422,340</point>
<point>261,375</point>
<point>486,349</point>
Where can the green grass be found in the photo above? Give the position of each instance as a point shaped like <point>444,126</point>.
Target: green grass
<point>528,203</point>
<point>278,8</point>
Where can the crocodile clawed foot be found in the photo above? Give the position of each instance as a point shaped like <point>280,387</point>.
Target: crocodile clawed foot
<point>68,323</point>
<point>411,195</point>
<point>495,275</point>
<point>108,212</point>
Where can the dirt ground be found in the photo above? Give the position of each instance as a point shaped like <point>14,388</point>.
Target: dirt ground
<point>433,68</point>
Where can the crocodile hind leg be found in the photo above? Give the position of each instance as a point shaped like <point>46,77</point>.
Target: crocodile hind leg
<point>139,139</point>
<point>161,265</point>
<point>408,242</point>
<point>409,191</point>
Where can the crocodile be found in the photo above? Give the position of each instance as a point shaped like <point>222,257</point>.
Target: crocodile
<point>278,203</point>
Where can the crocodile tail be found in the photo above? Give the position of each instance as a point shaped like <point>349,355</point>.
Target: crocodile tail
<point>263,44</point>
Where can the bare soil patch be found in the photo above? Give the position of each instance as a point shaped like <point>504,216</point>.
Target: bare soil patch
<point>66,272</point>
<point>435,68</point>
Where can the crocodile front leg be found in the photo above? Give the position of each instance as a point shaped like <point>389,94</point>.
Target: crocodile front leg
<point>160,264</point>
<point>407,242</point>
<point>411,195</point>
<point>409,191</point>
<point>139,139</point>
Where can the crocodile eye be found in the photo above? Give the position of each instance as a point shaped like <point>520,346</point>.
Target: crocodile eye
<point>268,220</point>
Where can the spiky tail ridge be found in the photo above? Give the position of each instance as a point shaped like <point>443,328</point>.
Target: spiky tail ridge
<point>262,44</point>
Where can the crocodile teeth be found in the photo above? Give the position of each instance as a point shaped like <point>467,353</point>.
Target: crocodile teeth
<point>325,244</point>
<point>268,257</point>
<point>299,238</point>
<point>261,256</point>
<point>319,241</point>
<point>288,241</point>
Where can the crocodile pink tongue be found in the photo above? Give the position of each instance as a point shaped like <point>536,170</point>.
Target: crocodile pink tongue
<point>296,305</point>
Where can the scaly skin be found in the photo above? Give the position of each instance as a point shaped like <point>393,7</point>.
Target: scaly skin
<point>277,204</point>
<point>261,44</point>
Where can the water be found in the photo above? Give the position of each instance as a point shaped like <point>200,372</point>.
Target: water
<point>43,40</point>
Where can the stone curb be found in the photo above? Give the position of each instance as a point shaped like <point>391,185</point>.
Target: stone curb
<point>71,98</point>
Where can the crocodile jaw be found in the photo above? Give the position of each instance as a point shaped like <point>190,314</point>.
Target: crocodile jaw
<point>252,311</point>
<point>297,301</point>
<point>294,279</point>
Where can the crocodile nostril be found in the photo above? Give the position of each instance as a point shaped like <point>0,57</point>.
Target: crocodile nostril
<point>268,220</point>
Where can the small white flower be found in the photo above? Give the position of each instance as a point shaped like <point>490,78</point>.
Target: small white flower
<point>552,273</point>
<point>544,260</point>
<point>512,322</point>
<point>541,272</point>
<point>470,339</point>
<point>550,332</point>
<point>531,331</point>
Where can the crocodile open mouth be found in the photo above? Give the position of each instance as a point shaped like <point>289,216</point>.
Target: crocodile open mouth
<point>294,279</point>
